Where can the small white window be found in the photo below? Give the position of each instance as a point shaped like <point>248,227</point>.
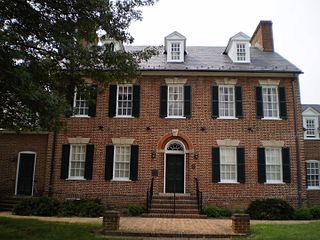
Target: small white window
<point>77,161</point>
<point>311,127</point>
<point>228,164</point>
<point>313,174</point>
<point>273,165</point>
<point>124,100</point>
<point>122,156</point>
<point>175,101</point>
<point>175,51</point>
<point>226,101</point>
<point>80,105</point>
<point>241,52</point>
<point>270,102</point>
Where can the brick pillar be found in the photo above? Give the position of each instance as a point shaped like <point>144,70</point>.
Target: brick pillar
<point>241,223</point>
<point>111,221</point>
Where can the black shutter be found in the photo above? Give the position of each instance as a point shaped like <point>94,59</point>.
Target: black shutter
<point>282,102</point>
<point>238,95</point>
<point>215,164</point>
<point>261,165</point>
<point>112,100</point>
<point>109,162</point>
<point>70,100</point>
<point>134,162</point>
<point>136,101</point>
<point>163,101</point>
<point>215,102</point>
<point>187,101</point>
<point>89,162</point>
<point>65,161</point>
<point>286,165</point>
<point>259,102</point>
<point>92,101</point>
<point>241,165</point>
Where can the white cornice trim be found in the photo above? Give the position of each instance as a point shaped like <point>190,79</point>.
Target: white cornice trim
<point>175,80</point>
<point>78,140</point>
<point>226,81</point>
<point>228,143</point>
<point>272,143</point>
<point>122,141</point>
<point>269,82</point>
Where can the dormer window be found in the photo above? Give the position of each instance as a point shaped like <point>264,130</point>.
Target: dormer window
<point>241,52</point>
<point>238,48</point>
<point>175,45</point>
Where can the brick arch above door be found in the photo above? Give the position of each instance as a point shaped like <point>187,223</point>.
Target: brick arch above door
<point>175,135</point>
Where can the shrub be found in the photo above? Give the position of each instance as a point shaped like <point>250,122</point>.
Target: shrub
<point>68,208</point>
<point>315,212</point>
<point>45,206</point>
<point>225,212</point>
<point>81,208</point>
<point>270,209</point>
<point>302,214</point>
<point>211,211</point>
<point>135,210</point>
<point>24,208</point>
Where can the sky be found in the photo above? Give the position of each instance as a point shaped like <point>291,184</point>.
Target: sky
<point>296,29</point>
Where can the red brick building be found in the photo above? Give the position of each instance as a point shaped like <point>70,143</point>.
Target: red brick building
<point>229,117</point>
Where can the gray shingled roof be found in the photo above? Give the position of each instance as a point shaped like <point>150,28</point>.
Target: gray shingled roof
<point>213,59</point>
<point>314,106</point>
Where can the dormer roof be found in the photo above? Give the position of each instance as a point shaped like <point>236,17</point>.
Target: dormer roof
<point>240,36</point>
<point>174,36</point>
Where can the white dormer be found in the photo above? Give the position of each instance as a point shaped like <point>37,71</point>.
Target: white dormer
<point>113,44</point>
<point>175,46</point>
<point>238,48</point>
<point>311,119</point>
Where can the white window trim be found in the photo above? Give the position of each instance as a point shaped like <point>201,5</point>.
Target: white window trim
<point>313,187</point>
<point>247,52</point>
<point>316,120</point>
<point>69,170</point>
<point>169,54</point>
<point>234,102</point>
<point>281,168</point>
<point>120,179</point>
<point>74,105</point>
<point>173,116</point>
<point>277,96</point>
<point>117,101</point>
<point>236,171</point>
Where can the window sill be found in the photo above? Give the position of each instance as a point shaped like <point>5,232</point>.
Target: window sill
<point>306,138</point>
<point>76,179</point>
<point>274,183</point>
<point>313,189</point>
<point>227,118</point>
<point>80,116</point>
<point>277,119</point>
<point>121,180</point>
<point>172,117</point>
<point>123,117</point>
<point>224,182</point>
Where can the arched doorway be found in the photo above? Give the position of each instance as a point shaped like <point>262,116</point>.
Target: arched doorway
<point>174,167</point>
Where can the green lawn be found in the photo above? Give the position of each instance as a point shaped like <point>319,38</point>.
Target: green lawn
<point>309,231</point>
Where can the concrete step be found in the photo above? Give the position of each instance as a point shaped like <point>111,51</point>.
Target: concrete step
<point>170,206</point>
<point>170,215</point>
<point>178,211</point>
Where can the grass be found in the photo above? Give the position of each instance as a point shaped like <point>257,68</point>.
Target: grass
<point>309,231</point>
<point>16,229</point>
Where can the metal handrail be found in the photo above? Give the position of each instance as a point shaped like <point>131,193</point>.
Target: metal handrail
<point>150,195</point>
<point>199,196</point>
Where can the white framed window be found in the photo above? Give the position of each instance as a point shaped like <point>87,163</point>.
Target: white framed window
<point>313,174</point>
<point>175,100</point>
<point>228,164</point>
<point>175,51</point>
<point>226,101</point>
<point>273,165</point>
<point>124,100</point>
<point>311,127</point>
<point>80,105</point>
<point>77,161</point>
<point>121,168</point>
<point>270,102</point>
<point>241,52</point>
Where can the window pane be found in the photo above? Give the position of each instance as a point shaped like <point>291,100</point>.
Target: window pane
<point>175,51</point>
<point>124,100</point>
<point>226,101</point>
<point>313,174</point>
<point>80,105</point>
<point>241,52</point>
<point>228,164</point>
<point>273,164</point>
<point>175,101</point>
<point>270,102</point>
<point>77,160</point>
<point>122,162</point>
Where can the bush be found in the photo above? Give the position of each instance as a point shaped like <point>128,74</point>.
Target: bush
<point>225,212</point>
<point>43,206</point>
<point>81,208</point>
<point>302,214</point>
<point>270,209</point>
<point>135,210</point>
<point>211,211</point>
<point>315,212</point>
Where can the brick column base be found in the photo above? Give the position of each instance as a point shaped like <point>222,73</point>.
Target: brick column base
<point>241,223</point>
<point>111,221</point>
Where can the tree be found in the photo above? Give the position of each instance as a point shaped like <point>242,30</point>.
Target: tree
<point>49,47</point>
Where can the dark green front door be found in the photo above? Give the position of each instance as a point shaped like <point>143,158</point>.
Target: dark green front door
<point>25,174</point>
<point>174,173</point>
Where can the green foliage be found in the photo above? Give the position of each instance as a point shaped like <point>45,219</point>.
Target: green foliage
<point>46,206</point>
<point>135,209</point>
<point>315,211</point>
<point>44,55</point>
<point>211,211</point>
<point>270,209</point>
<point>302,214</point>
<point>225,212</point>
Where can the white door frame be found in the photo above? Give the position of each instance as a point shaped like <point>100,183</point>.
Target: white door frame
<point>18,166</point>
<point>170,152</point>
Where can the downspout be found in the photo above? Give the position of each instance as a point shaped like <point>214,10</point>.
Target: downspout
<point>298,152</point>
<point>53,154</point>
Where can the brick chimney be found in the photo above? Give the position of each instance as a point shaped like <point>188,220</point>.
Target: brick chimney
<point>262,37</point>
